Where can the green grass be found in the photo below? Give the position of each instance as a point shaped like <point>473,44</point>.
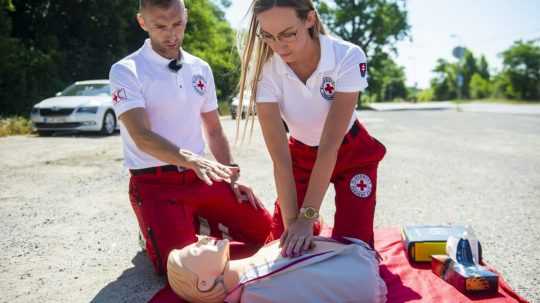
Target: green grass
<point>15,126</point>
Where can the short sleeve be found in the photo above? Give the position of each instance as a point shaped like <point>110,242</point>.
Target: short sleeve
<point>352,75</point>
<point>125,89</point>
<point>267,89</point>
<point>210,101</point>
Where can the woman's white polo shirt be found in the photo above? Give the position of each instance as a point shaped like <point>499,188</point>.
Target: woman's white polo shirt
<point>304,107</point>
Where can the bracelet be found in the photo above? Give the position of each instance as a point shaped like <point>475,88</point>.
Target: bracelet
<point>233,165</point>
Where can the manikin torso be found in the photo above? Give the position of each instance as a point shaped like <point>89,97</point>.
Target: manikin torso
<point>329,271</point>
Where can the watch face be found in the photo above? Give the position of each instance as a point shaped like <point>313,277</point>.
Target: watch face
<point>310,213</point>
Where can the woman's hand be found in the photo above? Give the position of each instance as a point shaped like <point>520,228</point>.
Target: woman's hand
<point>297,238</point>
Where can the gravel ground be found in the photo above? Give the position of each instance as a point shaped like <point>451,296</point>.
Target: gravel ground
<point>70,234</point>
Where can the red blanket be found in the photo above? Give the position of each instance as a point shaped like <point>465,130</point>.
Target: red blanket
<point>405,282</point>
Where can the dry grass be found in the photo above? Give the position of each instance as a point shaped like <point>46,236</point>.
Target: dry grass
<point>15,126</point>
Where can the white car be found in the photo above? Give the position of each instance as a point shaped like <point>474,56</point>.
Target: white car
<point>234,106</point>
<point>82,106</point>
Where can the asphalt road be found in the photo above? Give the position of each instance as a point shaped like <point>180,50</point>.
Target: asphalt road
<point>70,234</point>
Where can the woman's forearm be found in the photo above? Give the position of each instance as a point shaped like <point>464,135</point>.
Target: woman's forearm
<point>286,190</point>
<point>320,177</point>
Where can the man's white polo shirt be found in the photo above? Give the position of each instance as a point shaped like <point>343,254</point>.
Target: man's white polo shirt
<point>173,101</point>
<point>304,107</point>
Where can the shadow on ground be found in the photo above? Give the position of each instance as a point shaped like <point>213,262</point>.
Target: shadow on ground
<point>136,284</point>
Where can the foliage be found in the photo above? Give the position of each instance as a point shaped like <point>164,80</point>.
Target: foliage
<point>210,37</point>
<point>15,126</point>
<point>425,95</point>
<point>520,77</point>
<point>387,80</point>
<point>46,45</point>
<point>375,26</point>
<point>479,87</point>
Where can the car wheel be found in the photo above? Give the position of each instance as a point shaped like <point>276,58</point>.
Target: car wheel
<point>243,115</point>
<point>233,116</point>
<point>44,133</point>
<point>109,123</point>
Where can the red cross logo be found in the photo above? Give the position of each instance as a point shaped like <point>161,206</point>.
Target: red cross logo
<point>119,95</point>
<point>329,88</point>
<point>200,85</point>
<point>361,185</point>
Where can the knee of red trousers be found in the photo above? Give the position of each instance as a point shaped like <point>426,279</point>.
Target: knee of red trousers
<point>355,224</point>
<point>162,235</point>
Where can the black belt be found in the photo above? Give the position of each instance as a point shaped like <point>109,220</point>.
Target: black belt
<point>353,132</point>
<point>155,170</point>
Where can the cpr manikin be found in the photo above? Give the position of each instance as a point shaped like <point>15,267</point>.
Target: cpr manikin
<point>330,272</point>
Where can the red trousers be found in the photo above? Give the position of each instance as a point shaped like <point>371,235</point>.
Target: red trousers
<point>355,183</point>
<point>170,205</point>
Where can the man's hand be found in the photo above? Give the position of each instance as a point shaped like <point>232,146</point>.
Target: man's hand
<point>208,170</point>
<point>245,193</point>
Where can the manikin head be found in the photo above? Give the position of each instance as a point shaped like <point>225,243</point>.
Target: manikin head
<point>195,272</point>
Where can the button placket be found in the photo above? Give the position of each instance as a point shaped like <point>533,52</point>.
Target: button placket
<point>180,80</point>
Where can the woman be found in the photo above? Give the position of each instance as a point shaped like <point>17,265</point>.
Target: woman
<point>312,81</point>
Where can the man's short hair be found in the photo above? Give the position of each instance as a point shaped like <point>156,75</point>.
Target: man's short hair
<point>159,3</point>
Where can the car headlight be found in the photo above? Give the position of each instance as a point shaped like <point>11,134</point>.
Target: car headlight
<point>35,111</point>
<point>88,110</point>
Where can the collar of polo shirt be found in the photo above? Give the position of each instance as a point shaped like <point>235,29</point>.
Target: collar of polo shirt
<point>328,58</point>
<point>151,54</point>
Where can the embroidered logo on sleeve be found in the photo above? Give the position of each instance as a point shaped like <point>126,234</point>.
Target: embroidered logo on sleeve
<point>361,186</point>
<point>199,84</point>
<point>363,69</point>
<point>118,96</point>
<point>328,88</point>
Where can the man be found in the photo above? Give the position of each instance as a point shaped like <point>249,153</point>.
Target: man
<point>164,97</point>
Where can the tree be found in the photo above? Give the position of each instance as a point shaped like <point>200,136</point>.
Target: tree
<point>45,45</point>
<point>467,68</point>
<point>444,85</point>
<point>210,37</point>
<point>386,80</point>
<point>483,68</point>
<point>521,71</point>
<point>479,87</point>
<point>374,25</point>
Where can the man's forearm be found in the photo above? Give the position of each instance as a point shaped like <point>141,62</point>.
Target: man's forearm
<point>161,149</point>
<point>219,146</point>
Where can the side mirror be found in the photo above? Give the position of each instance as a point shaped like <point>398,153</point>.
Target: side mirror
<point>59,94</point>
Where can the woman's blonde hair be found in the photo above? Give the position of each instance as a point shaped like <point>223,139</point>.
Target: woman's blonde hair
<point>255,52</point>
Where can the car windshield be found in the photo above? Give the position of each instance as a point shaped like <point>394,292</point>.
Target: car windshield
<point>87,90</point>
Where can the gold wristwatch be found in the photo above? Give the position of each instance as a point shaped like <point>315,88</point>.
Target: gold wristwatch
<point>308,213</point>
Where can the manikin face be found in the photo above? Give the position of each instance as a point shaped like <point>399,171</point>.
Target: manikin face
<point>207,258</point>
<point>285,33</point>
<point>165,27</point>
